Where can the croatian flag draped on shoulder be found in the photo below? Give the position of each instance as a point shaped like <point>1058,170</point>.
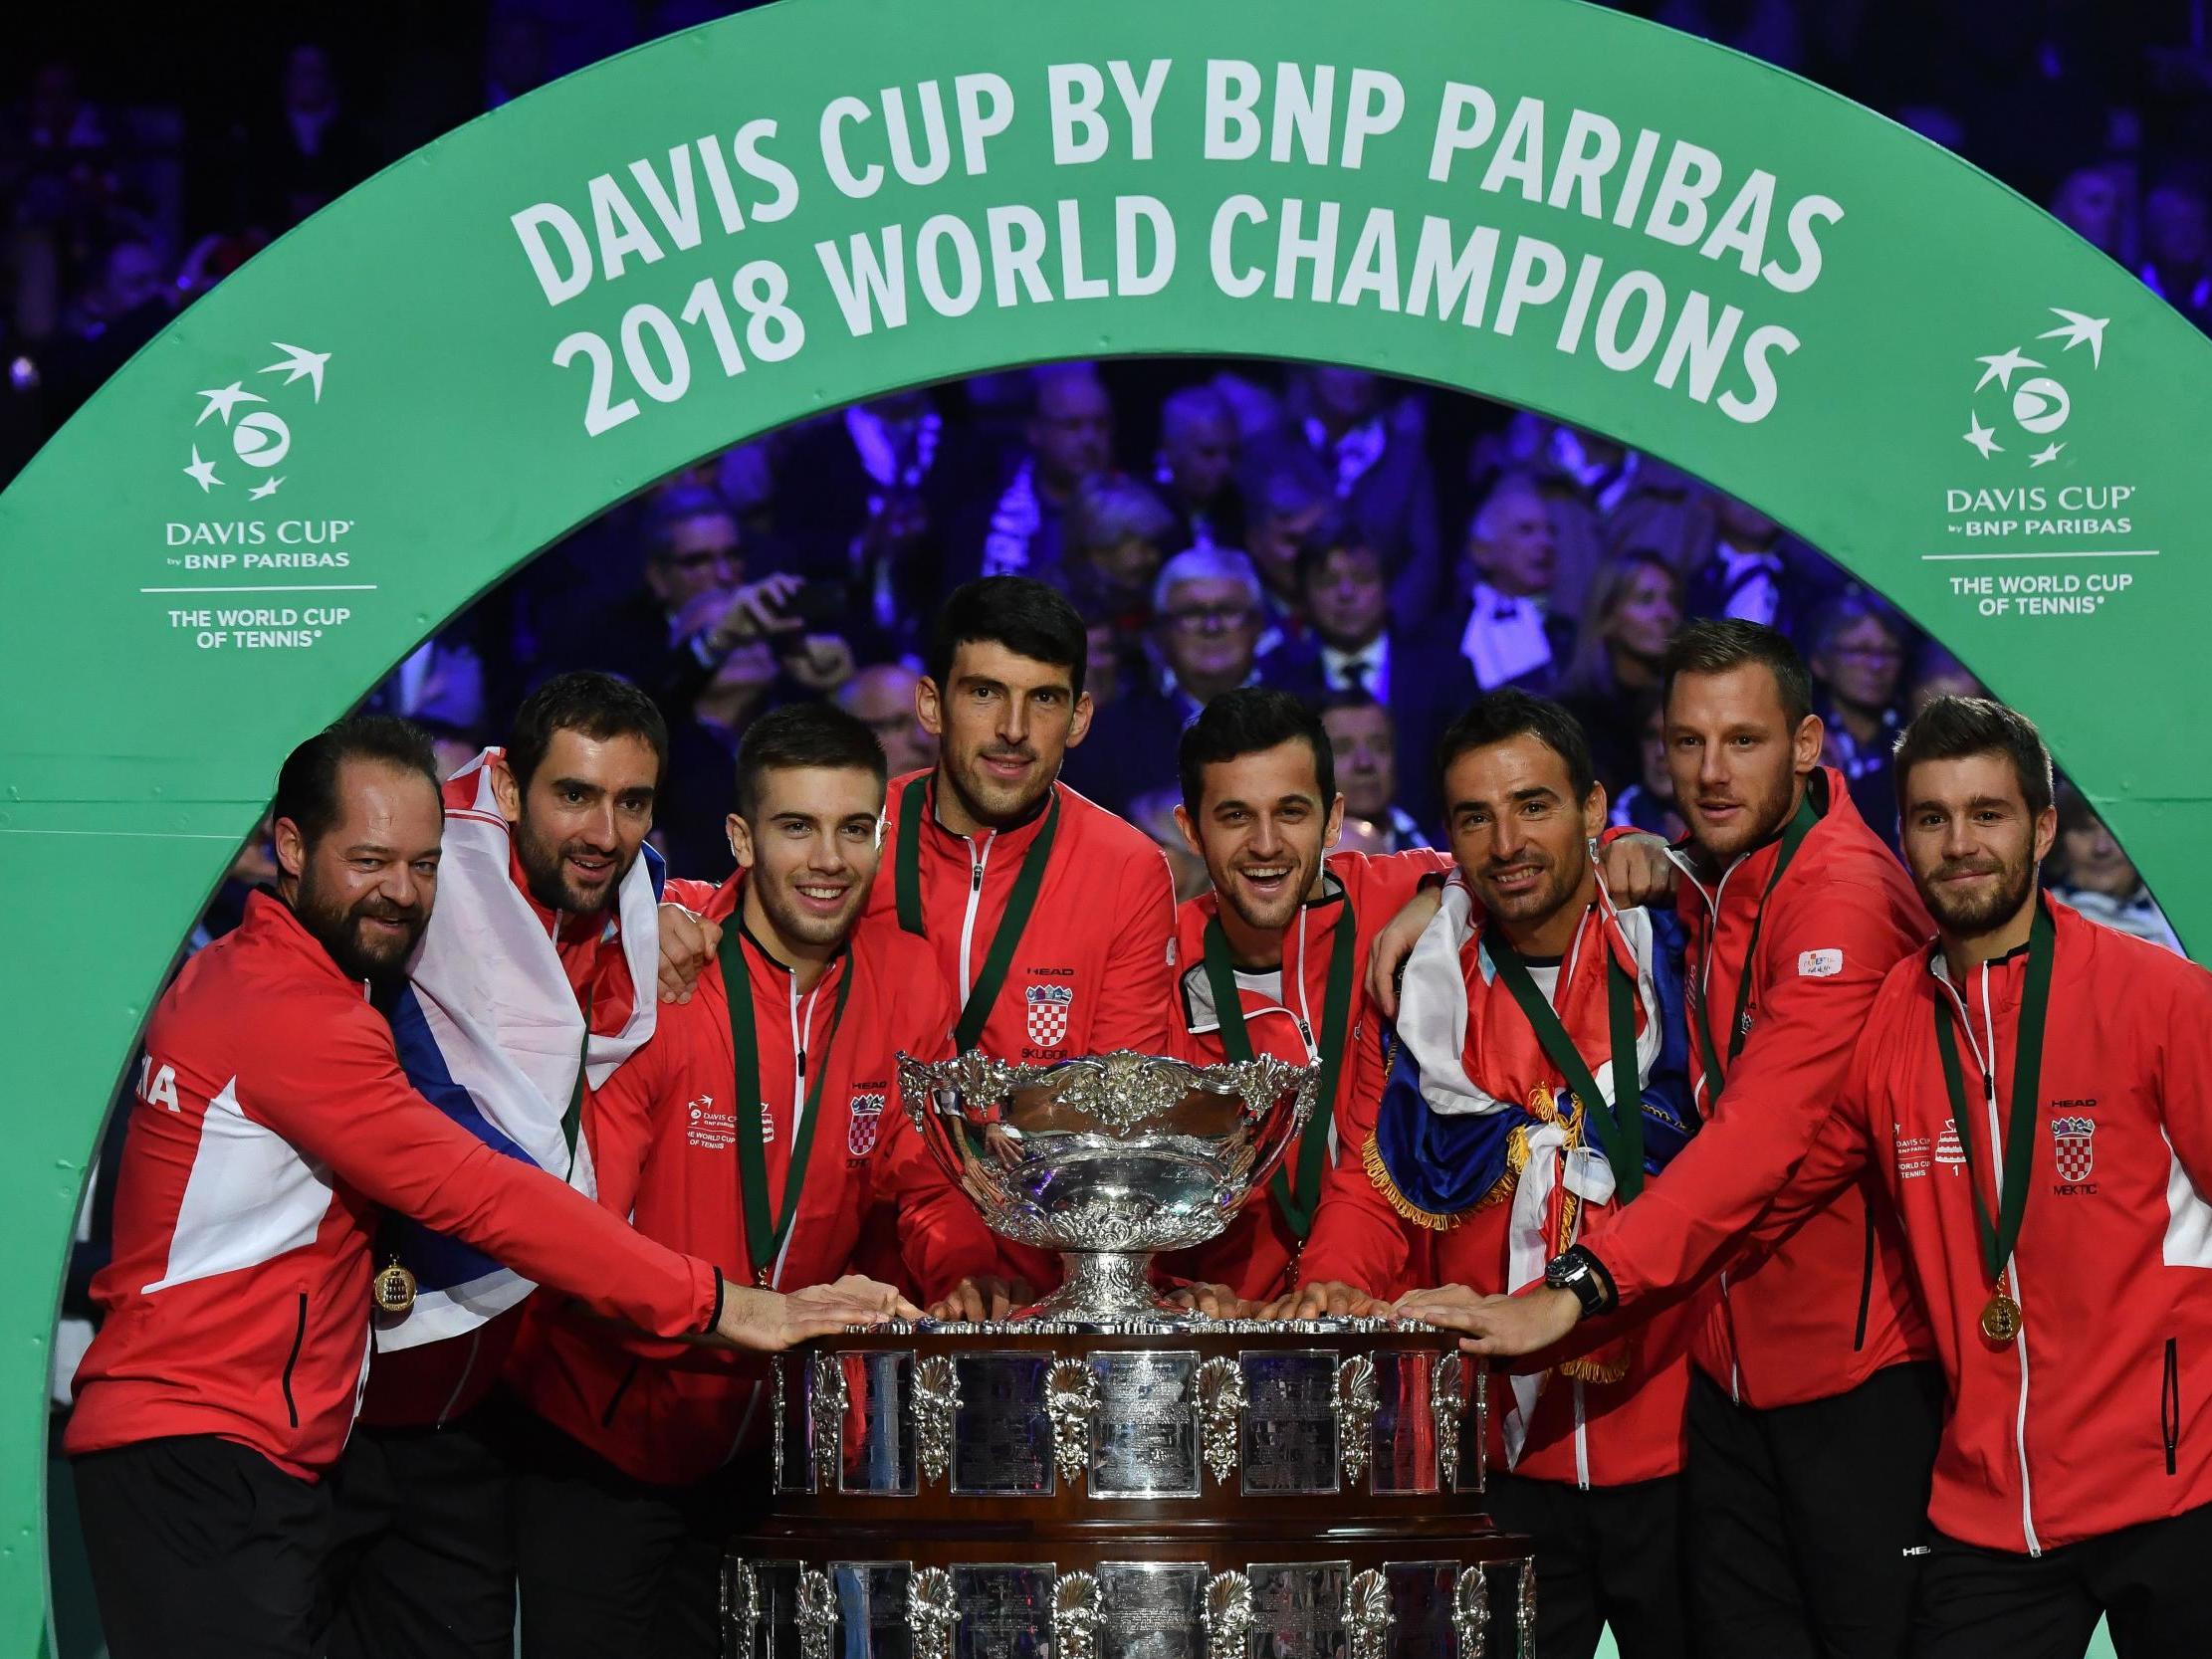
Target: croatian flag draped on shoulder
<point>1553,1088</point>
<point>491,1032</point>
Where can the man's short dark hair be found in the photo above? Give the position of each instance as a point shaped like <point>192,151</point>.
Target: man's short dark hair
<point>1507,713</point>
<point>601,706</point>
<point>1956,727</point>
<point>1335,532</point>
<point>679,504</point>
<point>1351,697</point>
<point>1023,615</point>
<point>1719,645</point>
<point>804,734</point>
<point>307,786</point>
<point>1248,720</point>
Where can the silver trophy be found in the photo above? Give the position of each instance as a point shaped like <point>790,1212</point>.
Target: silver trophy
<point>1107,1159</point>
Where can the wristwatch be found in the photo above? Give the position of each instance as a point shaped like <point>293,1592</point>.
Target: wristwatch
<point>1576,1269</point>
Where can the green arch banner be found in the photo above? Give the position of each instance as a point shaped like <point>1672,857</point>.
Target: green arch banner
<point>735,227</point>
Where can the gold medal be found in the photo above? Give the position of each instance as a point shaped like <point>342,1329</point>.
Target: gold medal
<point>393,1290</point>
<point>2001,1318</point>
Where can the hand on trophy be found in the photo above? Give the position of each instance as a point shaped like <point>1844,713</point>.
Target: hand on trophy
<point>688,941</point>
<point>766,1322</point>
<point>1323,1298</point>
<point>1214,1301</point>
<point>981,1297</point>
<point>1505,1327</point>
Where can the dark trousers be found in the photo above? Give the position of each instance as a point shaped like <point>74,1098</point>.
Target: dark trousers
<point>1609,1555</point>
<point>422,1555</point>
<point>612,1568</point>
<point>201,1549</point>
<point>1807,1524</point>
<point>2148,1581</point>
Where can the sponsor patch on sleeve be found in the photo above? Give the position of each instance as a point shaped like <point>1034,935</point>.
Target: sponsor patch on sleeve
<point>1819,964</point>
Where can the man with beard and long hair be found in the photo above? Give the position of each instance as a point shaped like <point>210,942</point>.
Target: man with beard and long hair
<point>272,1127</point>
<point>753,1129</point>
<point>2031,1094</point>
<point>1271,957</point>
<point>1535,1077</point>
<point>1052,922</point>
<point>1815,1405</point>
<point>533,983</point>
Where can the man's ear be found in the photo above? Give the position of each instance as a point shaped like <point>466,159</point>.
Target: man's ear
<point>2047,832</point>
<point>1594,813</point>
<point>928,708</point>
<point>1080,722</point>
<point>292,847</point>
<point>1806,747</point>
<point>1190,832</point>
<point>506,795</point>
<point>741,841</point>
<point>1333,830</point>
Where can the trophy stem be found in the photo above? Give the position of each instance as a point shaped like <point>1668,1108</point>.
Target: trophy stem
<point>1107,1287</point>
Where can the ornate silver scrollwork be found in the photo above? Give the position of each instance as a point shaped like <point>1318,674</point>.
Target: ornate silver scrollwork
<point>1367,1614</point>
<point>1447,1406</point>
<point>1471,1615</point>
<point>936,1398</point>
<point>1356,1400</point>
<point>741,1607</point>
<point>1228,1615</point>
<point>1071,1398</point>
<point>933,1613</point>
<point>1118,1091</point>
<point>825,1417</point>
<point>1075,1616</point>
<point>1524,1611</point>
<point>818,1613</point>
<point>778,1404</point>
<point>1220,1413</point>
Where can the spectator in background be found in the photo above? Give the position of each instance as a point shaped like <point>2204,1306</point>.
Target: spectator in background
<point>1206,631</point>
<point>1070,436</point>
<point>1857,657</point>
<point>1115,539</point>
<point>882,697</point>
<point>2177,241</point>
<point>2089,203</point>
<point>1365,745</point>
<point>1197,469</point>
<point>1154,813</point>
<point>1506,634</point>
<point>1937,673</point>
<point>2098,877</point>
<point>1605,497</point>
<point>1648,804</point>
<point>1756,573</point>
<point>1286,508</point>
<point>1345,443</point>
<point>1634,607</point>
<point>308,150</point>
<point>128,301</point>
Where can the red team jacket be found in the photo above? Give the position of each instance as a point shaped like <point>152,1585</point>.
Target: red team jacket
<point>1831,1306</point>
<point>272,1124</point>
<point>663,1143</point>
<point>2096,1417</point>
<point>1256,1256</point>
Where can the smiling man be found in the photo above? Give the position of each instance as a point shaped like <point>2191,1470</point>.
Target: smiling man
<point>753,1130</point>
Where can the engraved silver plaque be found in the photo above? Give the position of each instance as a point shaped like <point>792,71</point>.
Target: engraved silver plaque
<point>1152,1610</point>
<point>872,1609</point>
<point>936,1401</point>
<point>1298,1609</point>
<point>1005,1611</point>
<point>1002,1436</point>
<point>932,1612</point>
<point>825,1417</point>
<point>1145,1439</point>
<point>1420,1596</point>
<point>1228,1615</point>
<point>1405,1421</point>
<point>1355,1403</point>
<point>878,1443</point>
<point>776,1630</point>
<point>1075,1616</point>
<point>1471,1615</point>
<point>1220,1414</point>
<point>1367,1614</point>
<point>1289,1443</point>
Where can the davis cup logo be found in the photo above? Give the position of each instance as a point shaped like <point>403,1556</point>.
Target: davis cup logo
<point>865,1122</point>
<point>1048,1006</point>
<point>2071,1149</point>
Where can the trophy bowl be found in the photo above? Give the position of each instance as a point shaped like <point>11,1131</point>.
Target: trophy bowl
<point>1107,1158</point>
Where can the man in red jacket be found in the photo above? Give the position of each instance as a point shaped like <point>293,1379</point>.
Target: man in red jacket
<point>2032,1096</point>
<point>1815,1407</point>
<point>1536,1075</point>
<point>1052,922</point>
<point>753,1129</point>
<point>272,1127</point>
<point>1271,957</point>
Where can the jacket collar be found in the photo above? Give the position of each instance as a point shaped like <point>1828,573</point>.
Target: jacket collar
<point>1745,881</point>
<point>271,923</point>
<point>1015,839</point>
<point>2006,977</point>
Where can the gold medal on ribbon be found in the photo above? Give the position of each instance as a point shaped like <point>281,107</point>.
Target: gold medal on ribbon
<point>393,1290</point>
<point>2001,1318</point>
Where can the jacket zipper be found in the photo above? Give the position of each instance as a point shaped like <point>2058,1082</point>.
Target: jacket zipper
<point>606,1417</point>
<point>1866,1283</point>
<point>1704,1012</point>
<point>2169,1403</point>
<point>803,1027</point>
<point>299,1337</point>
<point>976,863</point>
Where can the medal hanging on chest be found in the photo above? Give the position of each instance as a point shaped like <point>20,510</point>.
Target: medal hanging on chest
<point>393,1289</point>
<point>2001,1318</point>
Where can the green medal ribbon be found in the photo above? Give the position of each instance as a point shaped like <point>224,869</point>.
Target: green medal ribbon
<point>764,1240</point>
<point>907,871</point>
<point>2018,1151</point>
<point>1618,1128</point>
<point>1801,823</point>
<point>1300,1197</point>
